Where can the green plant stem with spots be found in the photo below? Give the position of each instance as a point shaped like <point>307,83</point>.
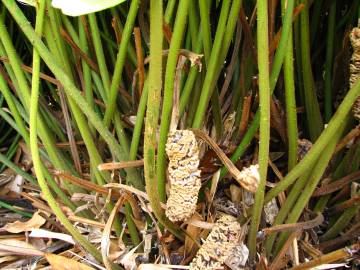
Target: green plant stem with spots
<point>264,104</point>
<point>152,114</point>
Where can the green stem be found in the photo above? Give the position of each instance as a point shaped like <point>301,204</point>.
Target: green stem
<point>120,61</point>
<point>67,83</point>
<point>313,114</point>
<point>264,104</point>
<point>341,223</point>
<point>329,61</point>
<point>55,155</point>
<point>310,186</point>
<point>134,147</point>
<point>16,169</point>
<point>12,208</point>
<point>86,71</point>
<point>315,19</point>
<point>14,110</point>
<point>35,150</point>
<point>206,33</point>
<point>104,73</point>
<point>176,40</point>
<point>286,207</point>
<point>210,80</point>
<point>169,11</point>
<point>291,116</point>
<point>275,71</point>
<point>335,124</point>
<point>152,114</point>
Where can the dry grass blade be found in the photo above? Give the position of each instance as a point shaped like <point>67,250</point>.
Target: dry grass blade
<point>58,262</point>
<point>340,254</point>
<point>120,165</point>
<point>245,114</point>
<point>353,134</point>
<point>85,184</point>
<point>247,184</point>
<point>40,233</point>
<point>78,51</point>
<point>279,259</point>
<point>69,131</point>
<point>319,219</point>
<point>105,239</point>
<point>12,247</point>
<point>344,205</point>
<point>150,266</point>
<point>29,70</point>
<point>336,185</point>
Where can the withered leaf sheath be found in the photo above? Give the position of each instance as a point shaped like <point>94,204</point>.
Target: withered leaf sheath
<point>355,67</point>
<point>183,152</point>
<point>219,245</point>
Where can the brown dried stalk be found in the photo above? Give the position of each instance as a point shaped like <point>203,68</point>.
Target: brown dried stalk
<point>120,165</point>
<point>340,254</point>
<point>319,219</point>
<point>250,184</point>
<point>336,185</point>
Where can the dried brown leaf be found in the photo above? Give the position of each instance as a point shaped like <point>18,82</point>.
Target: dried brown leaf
<point>52,235</point>
<point>192,232</point>
<point>105,240</point>
<point>11,247</point>
<point>34,223</point>
<point>58,262</point>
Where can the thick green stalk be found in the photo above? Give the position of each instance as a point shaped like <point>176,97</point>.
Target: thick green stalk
<point>190,81</point>
<point>176,40</point>
<point>205,29</point>
<point>286,207</point>
<point>275,71</point>
<point>315,19</point>
<point>67,83</point>
<point>207,44</point>
<point>152,114</point>
<point>210,81</point>
<point>132,175</point>
<point>130,48</point>
<point>169,11</point>
<point>351,157</point>
<point>329,61</point>
<point>24,94</point>
<point>120,61</point>
<point>35,150</point>
<point>335,124</point>
<point>134,147</point>
<point>76,112</point>
<point>4,89</point>
<point>264,104</point>
<point>291,115</point>
<point>86,71</point>
<point>313,114</point>
<point>310,186</point>
<point>104,73</point>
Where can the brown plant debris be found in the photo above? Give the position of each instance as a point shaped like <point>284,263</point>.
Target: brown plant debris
<point>183,152</point>
<point>355,67</point>
<point>220,245</point>
<point>304,147</point>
